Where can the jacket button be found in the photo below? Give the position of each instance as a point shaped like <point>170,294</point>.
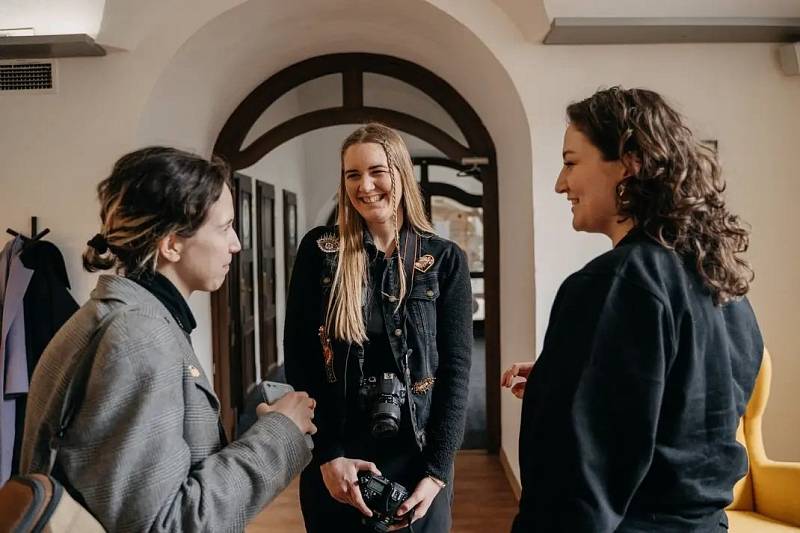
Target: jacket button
<point>398,332</point>
<point>429,292</point>
<point>326,280</point>
<point>392,299</point>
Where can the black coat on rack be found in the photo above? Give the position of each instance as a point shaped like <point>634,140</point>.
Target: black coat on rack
<point>48,305</point>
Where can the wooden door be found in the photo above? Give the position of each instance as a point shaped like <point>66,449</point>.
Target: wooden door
<point>245,295</point>
<point>268,329</point>
<point>233,307</point>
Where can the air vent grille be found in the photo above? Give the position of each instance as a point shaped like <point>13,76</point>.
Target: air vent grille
<point>26,76</point>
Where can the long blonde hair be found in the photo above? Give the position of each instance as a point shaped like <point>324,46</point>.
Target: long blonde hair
<point>344,317</point>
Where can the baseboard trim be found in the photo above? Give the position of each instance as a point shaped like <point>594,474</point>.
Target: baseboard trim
<point>512,479</point>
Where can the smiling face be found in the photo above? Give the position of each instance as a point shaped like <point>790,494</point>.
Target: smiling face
<point>368,183</point>
<point>590,184</point>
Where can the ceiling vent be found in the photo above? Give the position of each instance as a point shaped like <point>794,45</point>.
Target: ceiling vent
<point>37,77</point>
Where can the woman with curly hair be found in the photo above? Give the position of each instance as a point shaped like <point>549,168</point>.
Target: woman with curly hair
<point>629,415</point>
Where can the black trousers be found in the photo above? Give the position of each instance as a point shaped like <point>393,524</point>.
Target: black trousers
<point>323,514</point>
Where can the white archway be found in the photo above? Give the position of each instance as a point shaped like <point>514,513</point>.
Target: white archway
<point>218,65</point>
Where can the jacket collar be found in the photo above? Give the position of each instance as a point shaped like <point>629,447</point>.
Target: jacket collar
<point>163,289</point>
<point>121,289</point>
<point>634,235</point>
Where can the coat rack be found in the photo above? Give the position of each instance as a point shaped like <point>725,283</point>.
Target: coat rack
<point>34,235</point>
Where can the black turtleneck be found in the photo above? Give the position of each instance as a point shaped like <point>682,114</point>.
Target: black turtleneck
<point>167,294</point>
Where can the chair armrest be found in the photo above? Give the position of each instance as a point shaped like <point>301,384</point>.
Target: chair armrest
<point>776,491</point>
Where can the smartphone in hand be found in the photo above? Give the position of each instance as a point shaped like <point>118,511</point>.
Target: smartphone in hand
<point>264,392</point>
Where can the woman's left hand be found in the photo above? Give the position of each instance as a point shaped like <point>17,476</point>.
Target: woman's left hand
<point>420,500</point>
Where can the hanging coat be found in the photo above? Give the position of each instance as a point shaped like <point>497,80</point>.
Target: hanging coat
<point>48,305</point>
<point>14,372</point>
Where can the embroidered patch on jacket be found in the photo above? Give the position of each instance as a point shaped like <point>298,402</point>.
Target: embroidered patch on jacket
<point>424,263</point>
<point>422,386</point>
<point>327,354</point>
<point>328,243</point>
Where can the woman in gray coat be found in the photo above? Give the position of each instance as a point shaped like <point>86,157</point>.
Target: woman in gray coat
<point>146,452</point>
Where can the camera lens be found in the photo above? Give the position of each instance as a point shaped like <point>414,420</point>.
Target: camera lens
<point>383,395</point>
<point>384,427</point>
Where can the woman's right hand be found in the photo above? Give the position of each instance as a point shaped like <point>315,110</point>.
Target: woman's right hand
<point>298,406</point>
<point>341,479</point>
<point>517,370</point>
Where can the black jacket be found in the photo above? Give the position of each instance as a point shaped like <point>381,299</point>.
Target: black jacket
<point>48,305</point>
<point>432,347</point>
<point>630,413</point>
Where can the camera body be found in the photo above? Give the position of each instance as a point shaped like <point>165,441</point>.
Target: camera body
<point>382,397</point>
<point>383,497</point>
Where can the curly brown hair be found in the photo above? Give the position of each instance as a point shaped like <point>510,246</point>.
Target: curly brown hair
<point>676,196</point>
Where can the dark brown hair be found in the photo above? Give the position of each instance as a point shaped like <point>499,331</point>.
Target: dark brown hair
<point>676,197</point>
<point>151,193</point>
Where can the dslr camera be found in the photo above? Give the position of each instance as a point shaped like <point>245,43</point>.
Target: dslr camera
<point>383,497</point>
<point>382,397</point>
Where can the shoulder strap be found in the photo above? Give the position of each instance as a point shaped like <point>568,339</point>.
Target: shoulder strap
<point>410,256</point>
<point>76,388</point>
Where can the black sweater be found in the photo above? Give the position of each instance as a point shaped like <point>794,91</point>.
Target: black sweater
<point>630,413</point>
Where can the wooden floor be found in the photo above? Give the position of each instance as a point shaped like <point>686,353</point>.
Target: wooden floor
<point>483,500</point>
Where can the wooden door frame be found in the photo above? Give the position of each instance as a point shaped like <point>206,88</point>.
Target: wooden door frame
<point>479,143</point>
<point>266,189</point>
<point>225,330</point>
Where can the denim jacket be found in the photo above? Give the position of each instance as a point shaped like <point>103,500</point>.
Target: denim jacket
<point>430,337</point>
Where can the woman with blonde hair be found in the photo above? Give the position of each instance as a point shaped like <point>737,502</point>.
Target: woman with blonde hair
<point>379,330</point>
<point>629,415</point>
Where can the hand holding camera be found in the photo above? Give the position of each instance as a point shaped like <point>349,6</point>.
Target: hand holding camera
<point>384,498</point>
<point>341,479</point>
<point>419,501</point>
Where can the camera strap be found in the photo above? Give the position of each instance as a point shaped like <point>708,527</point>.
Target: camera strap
<point>410,254</point>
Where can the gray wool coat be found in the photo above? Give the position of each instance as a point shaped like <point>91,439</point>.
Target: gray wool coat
<point>144,450</point>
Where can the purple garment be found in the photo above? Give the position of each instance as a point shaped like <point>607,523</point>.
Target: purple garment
<point>14,280</point>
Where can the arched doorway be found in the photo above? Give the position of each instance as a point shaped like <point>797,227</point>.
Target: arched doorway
<point>477,146</point>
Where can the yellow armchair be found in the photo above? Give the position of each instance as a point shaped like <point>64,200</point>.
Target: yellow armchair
<point>767,498</point>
